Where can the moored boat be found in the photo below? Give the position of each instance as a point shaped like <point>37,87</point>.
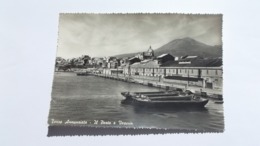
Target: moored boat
<point>171,101</point>
<point>180,102</point>
<point>129,95</point>
<point>83,74</point>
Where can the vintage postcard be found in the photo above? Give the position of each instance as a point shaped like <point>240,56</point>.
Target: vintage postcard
<point>137,74</point>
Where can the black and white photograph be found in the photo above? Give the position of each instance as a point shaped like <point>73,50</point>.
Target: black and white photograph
<point>127,73</point>
<point>143,70</point>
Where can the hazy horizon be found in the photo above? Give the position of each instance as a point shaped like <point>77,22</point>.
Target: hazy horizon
<point>99,35</point>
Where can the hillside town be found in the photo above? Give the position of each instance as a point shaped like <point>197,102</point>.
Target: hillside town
<point>164,70</point>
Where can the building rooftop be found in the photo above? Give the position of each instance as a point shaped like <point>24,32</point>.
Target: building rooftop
<point>148,64</point>
<point>161,56</point>
<point>196,62</point>
<point>187,57</point>
<point>146,60</point>
<point>133,58</point>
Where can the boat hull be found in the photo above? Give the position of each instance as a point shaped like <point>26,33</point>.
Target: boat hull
<point>171,101</point>
<point>171,104</point>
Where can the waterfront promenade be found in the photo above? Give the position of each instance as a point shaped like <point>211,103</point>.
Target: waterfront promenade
<point>159,82</point>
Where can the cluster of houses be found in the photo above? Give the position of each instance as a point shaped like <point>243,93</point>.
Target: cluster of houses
<point>74,62</point>
<point>191,70</point>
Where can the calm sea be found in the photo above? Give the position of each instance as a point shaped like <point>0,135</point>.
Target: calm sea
<point>89,98</point>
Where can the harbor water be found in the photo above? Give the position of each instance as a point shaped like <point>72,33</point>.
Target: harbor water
<point>89,98</point>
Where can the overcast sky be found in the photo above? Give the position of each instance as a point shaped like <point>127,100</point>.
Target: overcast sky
<point>111,34</point>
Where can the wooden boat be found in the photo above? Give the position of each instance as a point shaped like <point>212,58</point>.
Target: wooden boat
<point>85,73</point>
<point>173,101</point>
<point>129,95</point>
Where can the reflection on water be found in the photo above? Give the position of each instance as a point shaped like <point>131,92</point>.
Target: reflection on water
<point>94,98</point>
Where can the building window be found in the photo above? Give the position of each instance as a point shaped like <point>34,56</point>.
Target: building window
<point>192,71</point>
<point>207,71</point>
<point>216,72</point>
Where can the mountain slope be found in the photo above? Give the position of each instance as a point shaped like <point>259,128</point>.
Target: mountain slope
<point>189,46</point>
<point>185,46</point>
<point>126,55</point>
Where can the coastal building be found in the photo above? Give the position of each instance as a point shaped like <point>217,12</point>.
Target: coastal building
<point>98,61</point>
<point>144,68</point>
<point>206,73</point>
<point>124,61</point>
<point>165,58</point>
<point>189,71</point>
<point>85,59</point>
<point>107,71</point>
<point>78,62</point>
<point>113,62</point>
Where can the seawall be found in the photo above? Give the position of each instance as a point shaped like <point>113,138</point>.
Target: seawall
<point>158,82</point>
